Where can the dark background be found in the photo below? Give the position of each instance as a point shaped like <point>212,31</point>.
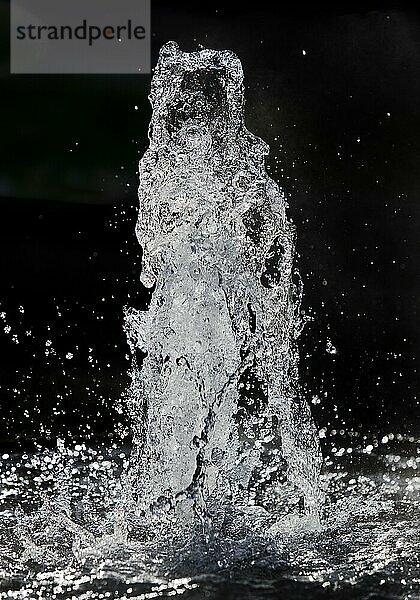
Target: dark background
<point>69,259</point>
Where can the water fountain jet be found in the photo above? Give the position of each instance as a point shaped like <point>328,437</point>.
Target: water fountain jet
<point>218,420</point>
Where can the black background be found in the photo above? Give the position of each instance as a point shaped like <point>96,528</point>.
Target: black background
<point>69,259</point>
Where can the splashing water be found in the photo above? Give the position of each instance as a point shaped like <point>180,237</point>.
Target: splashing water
<point>217,417</point>
<point>220,494</point>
